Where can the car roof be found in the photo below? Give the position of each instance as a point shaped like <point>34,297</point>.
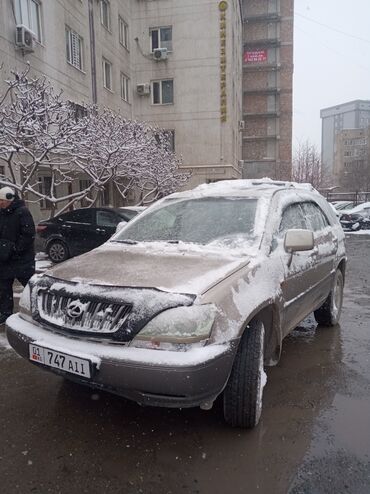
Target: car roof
<point>246,188</point>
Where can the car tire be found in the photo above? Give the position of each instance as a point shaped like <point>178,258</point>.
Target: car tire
<point>57,251</point>
<point>329,313</point>
<point>243,393</point>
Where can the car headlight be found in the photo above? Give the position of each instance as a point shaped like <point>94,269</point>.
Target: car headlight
<point>182,325</point>
<point>25,302</point>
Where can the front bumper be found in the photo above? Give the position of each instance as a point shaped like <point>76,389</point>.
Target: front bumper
<point>149,377</point>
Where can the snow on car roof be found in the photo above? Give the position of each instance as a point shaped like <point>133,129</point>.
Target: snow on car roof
<point>242,187</point>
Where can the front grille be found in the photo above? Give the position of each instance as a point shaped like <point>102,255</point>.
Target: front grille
<point>81,314</point>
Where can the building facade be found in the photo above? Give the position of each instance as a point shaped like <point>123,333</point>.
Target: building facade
<point>267,88</point>
<point>174,64</point>
<point>346,116</point>
<point>351,169</point>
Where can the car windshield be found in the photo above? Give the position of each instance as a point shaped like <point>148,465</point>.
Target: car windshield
<point>200,221</point>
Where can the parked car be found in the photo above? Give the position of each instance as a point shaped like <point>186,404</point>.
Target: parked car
<point>191,299</point>
<point>357,218</point>
<point>73,233</point>
<point>340,206</point>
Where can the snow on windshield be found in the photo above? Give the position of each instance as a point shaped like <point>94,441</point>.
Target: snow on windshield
<point>197,220</point>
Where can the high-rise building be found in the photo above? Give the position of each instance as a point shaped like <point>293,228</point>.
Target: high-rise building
<point>350,115</point>
<point>267,88</point>
<point>174,64</point>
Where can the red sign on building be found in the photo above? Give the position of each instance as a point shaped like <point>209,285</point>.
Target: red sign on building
<point>255,56</point>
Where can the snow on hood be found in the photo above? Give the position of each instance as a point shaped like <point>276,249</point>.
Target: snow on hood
<point>161,266</point>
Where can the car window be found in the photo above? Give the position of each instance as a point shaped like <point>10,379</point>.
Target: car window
<point>292,218</point>
<point>107,218</point>
<point>79,216</point>
<point>195,220</point>
<point>316,220</point>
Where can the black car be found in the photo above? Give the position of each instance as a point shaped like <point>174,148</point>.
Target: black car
<point>355,221</point>
<point>81,230</point>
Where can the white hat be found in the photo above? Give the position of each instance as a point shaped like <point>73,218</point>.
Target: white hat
<point>7,194</point>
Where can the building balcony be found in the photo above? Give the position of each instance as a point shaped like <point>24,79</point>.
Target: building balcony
<point>262,43</point>
<point>265,90</point>
<point>259,67</point>
<point>270,114</point>
<point>261,138</point>
<point>268,17</point>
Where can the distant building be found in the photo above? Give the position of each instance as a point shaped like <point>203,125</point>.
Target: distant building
<point>351,115</point>
<point>351,169</point>
<point>175,64</point>
<point>267,88</point>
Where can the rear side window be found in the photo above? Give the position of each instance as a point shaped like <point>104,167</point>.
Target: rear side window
<point>316,219</point>
<point>292,218</point>
<point>106,218</point>
<point>79,216</point>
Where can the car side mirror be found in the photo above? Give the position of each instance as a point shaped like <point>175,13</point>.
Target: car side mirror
<point>298,240</point>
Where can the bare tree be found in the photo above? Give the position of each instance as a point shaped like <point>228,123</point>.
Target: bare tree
<point>40,135</point>
<point>307,164</point>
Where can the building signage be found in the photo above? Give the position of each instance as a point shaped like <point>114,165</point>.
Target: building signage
<point>255,56</point>
<point>222,6</point>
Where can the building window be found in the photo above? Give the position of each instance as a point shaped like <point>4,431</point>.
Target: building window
<point>171,139</point>
<point>79,111</point>
<point>107,74</point>
<point>161,37</point>
<point>123,32</point>
<point>162,92</point>
<point>28,13</point>
<point>45,184</point>
<point>2,173</point>
<point>74,48</point>
<point>105,13</point>
<point>125,84</point>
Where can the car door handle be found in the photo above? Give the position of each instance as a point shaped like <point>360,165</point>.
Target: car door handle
<point>66,226</point>
<point>100,230</point>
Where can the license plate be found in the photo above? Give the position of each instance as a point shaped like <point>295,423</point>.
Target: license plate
<point>74,365</point>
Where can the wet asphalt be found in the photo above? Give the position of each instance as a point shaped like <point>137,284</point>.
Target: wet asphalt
<point>314,435</point>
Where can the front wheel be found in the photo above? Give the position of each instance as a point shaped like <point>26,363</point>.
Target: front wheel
<point>243,393</point>
<point>329,313</point>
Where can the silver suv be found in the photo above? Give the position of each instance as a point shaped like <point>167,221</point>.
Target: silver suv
<point>191,299</point>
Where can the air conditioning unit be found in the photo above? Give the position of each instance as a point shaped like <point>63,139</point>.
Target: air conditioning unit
<point>143,89</point>
<point>241,125</point>
<point>160,54</point>
<point>24,38</point>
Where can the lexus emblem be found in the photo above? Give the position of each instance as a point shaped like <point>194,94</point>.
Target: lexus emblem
<point>75,309</point>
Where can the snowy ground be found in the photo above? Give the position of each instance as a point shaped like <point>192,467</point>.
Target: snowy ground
<point>360,232</point>
<point>42,262</point>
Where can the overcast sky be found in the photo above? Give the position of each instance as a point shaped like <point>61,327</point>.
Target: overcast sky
<point>331,60</point>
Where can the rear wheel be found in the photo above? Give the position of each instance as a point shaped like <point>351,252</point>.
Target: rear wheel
<point>329,313</point>
<point>57,251</point>
<point>243,393</point>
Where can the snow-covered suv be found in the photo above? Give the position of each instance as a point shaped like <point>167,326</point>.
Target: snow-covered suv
<point>191,299</point>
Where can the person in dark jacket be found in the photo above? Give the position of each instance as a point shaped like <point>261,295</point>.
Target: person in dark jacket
<point>17,255</point>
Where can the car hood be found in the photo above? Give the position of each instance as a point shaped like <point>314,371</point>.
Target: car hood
<point>169,268</point>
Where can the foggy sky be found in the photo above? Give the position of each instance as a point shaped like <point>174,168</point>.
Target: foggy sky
<point>329,67</point>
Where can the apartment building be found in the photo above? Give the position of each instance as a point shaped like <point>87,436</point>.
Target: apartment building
<point>267,88</point>
<point>335,119</point>
<point>174,64</point>
<point>351,168</point>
